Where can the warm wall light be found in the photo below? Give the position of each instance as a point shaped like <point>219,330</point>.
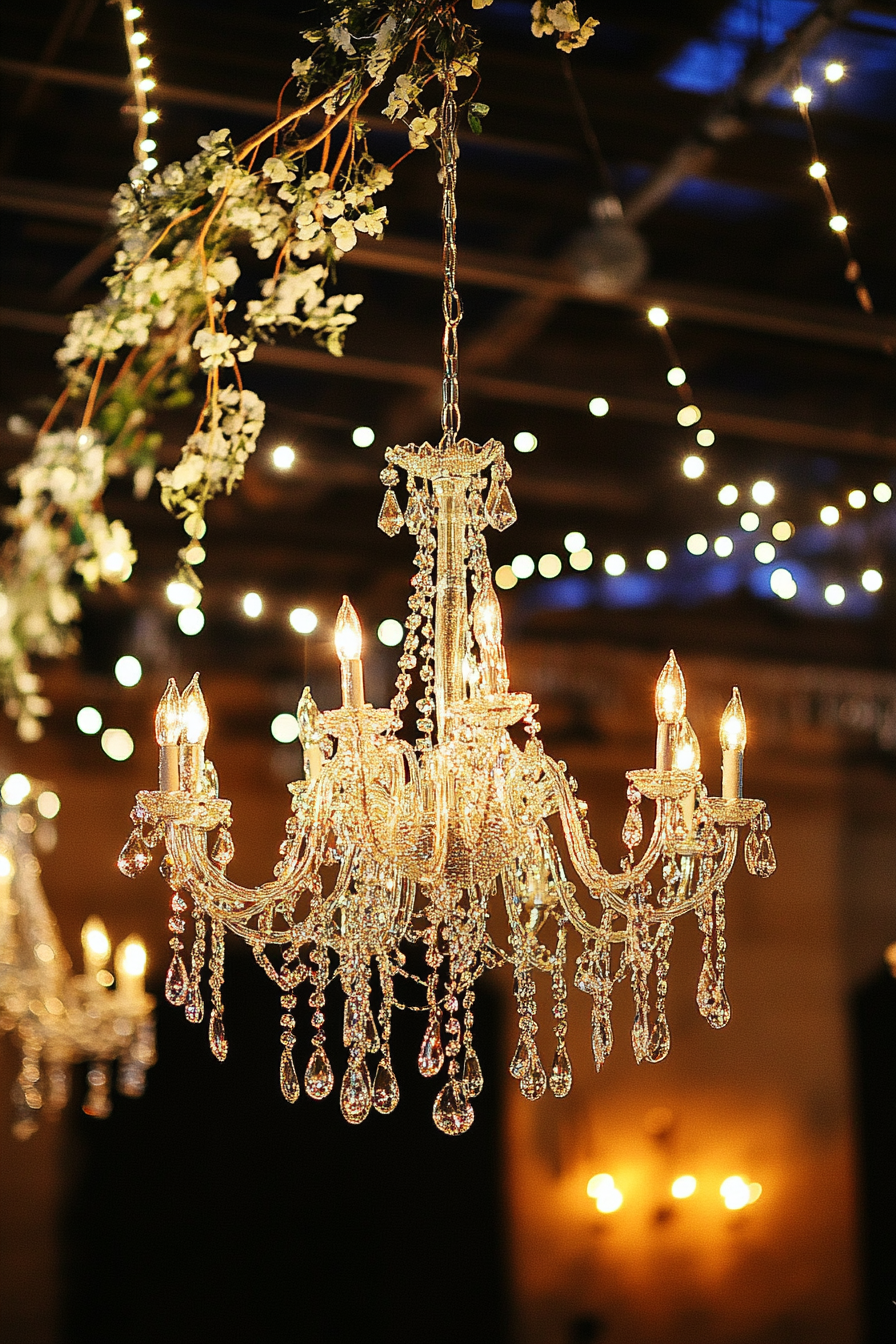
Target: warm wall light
<point>683,1187</point>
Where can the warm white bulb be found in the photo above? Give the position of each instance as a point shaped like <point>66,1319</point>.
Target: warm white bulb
<point>390,632</point>
<point>615,565</point>
<point>872,580</point>
<point>830,515</point>
<point>689,415</point>
<point>131,958</point>
<point>128,670</point>
<point>137,39</point>
<point>117,743</point>
<point>723,546</point>
<point>764,552</point>
<point>697,543</point>
<point>581,560</point>
<point>598,406</point>
<point>693,467</point>
<point>150,117</point>
<point>817,169</point>
<point>283,456</point>
<point>89,720</point>
<point>284,728</point>
<point>763,492</point>
<point>802,95</point>
<point>15,789</point>
<point>705,438</point>
<point>524,442</point>
<point>749,521</point>
<point>523,566</point>
<point>882,492</point>
<point>657,317</point>
<point>857,499</point>
<point>253,605</point>
<point>363,436</point>
<point>190,621</point>
<point>657,559</point>
<point>834,71</point>
<point>303,621</point>
<point>839,223</point>
<point>835,594</point>
<point>549,566</point>
<point>48,804</point>
<point>675,377</point>
<point>728,494</point>
<point>683,1187</point>
<point>574,541</point>
<point>505,577</point>
<point>782,584</point>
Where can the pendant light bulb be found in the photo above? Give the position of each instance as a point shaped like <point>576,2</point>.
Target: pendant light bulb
<point>169,716</point>
<point>486,613</point>
<point>687,750</point>
<point>195,714</point>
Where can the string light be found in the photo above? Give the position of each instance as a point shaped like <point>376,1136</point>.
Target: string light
<point>615,564</point>
<point>140,61</point>
<point>697,544</point>
<point>749,521</point>
<point>729,494</point>
<point>182,594</point>
<point>117,743</point>
<point>303,620</point>
<point>782,584</point>
<point>574,541</point>
<point>763,492</point>
<point>688,415</point>
<point>882,492</point>
<point>783,531</point>
<point>253,605</point>
<point>675,377</point>
<point>524,442</point>
<point>89,720</point>
<point>693,467</point>
<point>872,580</point>
<point>48,804</point>
<point>505,577</point>
<point>705,438</point>
<point>523,566</point>
<point>764,552</point>
<point>857,499</point>
<point>599,406</point>
<point>830,515</point>
<point>284,728</point>
<point>549,566</point>
<point>723,546</point>
<point>657,559</point>
<point>837,221</point>
<point>15,789</point>
<point>835,594</point>
<point>657,317</point>
<point>582,559</point>
<point>128,670</point>
<point>190,621</point>
<point>363,436</point>
<point>283,456</point>
<point>390,632</point>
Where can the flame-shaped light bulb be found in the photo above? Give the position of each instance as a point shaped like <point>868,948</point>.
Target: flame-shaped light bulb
<point>347,633</point>
<point>308,717</point>
<point>733,728</point>
<point>169,716</point>
<point>687,748</point>
<point>486,614</point>
<point>195,714</point>
<point>96,944</point>
<point>130,967</point>
<point>671,694</point>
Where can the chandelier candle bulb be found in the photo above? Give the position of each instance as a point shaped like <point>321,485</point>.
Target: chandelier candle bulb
<point>488,631</point>
<point>670,702</point>
<point>169,725</point>
<point>130,971</point>
<point>733,739</point>
<point>348,649</point>
<point>96,946</point>
<point>308,716</point>
<point>687,757</point>
<point>195,731</point>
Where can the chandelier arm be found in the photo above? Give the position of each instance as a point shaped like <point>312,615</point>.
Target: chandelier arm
<point>226,899</point>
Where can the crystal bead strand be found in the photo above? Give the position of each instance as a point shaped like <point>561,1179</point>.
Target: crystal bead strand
<point>472,1071</point>
<point>217,1037</point>
<point>561,1068</point>
<point>385,1084</point>
<point>176,979</point>
<point>319,1074</point>
<point>194,1008</point>
<point>660,1040</point>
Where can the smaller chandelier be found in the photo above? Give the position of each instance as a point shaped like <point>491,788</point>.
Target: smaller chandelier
<point>393,844</point>
<point>58,1018</point>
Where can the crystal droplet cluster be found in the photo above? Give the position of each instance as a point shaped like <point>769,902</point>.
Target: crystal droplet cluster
<point>396,848</point>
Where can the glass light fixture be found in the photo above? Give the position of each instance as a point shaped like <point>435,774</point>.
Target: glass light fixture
<point>398,850</point>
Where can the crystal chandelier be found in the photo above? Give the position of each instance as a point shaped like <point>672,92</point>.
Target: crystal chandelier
<point>58,1018</point>
<point>392,845</point>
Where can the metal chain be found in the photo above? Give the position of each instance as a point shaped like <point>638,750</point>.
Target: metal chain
<point>451,303</point>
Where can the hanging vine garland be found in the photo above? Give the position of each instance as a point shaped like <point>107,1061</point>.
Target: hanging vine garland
<point>298,192</point>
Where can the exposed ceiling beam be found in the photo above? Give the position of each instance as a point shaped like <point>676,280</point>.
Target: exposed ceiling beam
<point>729,116</point>
<point>823,324</point>
<point>764,429</point>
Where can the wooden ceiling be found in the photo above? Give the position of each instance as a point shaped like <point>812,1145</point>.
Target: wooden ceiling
<point>794,378</point>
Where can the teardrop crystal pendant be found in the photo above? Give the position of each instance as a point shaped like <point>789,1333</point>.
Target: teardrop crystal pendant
<point>385,1088</point>
<point>135,857</point>
<point>414,517</point>
<point>223,850</point>
<point>660,1040</point>
<point>391,517</point>
<point>520,1059</point>
<point>561,1072</point>
<point>176,981</point>
<point>289,1079</point>
<point>318,1075</point>
<point>194,1008</point>
<point>500,508</point>
<point>712,1001</point>
<point>633,829</point>
<point>217,1037</point>
<point>451,1110</point>
<point>432,1056</point>
<point>534,1080</point>
<point>354,1095</point>
<point>759,854</point>
<point>472,1075</point>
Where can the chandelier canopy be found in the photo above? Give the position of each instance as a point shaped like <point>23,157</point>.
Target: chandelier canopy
<point>392,844</point>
